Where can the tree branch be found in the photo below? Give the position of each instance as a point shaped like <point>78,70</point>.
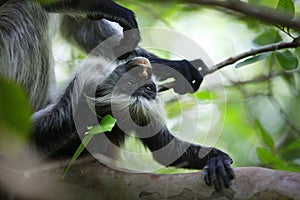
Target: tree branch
<point>272,47</point>
<point>261,13</point>
<point>89,179</point>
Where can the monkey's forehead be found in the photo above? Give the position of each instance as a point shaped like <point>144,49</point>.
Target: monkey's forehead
<point>136,74</point>
<point>139,66</point>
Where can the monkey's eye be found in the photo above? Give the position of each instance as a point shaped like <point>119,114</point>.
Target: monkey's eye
<point>149,88</point>
<point>130,84</point>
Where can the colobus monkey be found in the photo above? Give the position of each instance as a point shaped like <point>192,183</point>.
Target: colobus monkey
<point>129,94</point>
<point>26,58</point>
<point>25,42</point>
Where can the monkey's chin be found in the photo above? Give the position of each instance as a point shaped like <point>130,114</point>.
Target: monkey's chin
<point>145,112</point>
<point>131,111</point>
<point>140,112</point>
<point>137,111</point>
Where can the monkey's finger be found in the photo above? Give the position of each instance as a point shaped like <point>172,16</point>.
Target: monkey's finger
<point>214,177</point>
<point>201,66</point>
<point>227,164</point>
<point>196,80</point>
<point>222,172</point>
<point>206,175</point>
<point>194,76</point>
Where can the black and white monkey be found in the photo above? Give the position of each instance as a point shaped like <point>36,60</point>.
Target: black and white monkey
<point>128,93</point>
<point>25,41</point>
<point>25,57</point>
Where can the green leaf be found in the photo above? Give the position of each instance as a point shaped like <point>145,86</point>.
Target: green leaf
<point>79,150</point>
<point>106,125</point>
<point>269,37</point>
<point>14,117</point>
<point>287,60</point>
<point>14,106</point>
<point>294,145</point>
<point>291,151</point>
<point>253,59</point>
<point>287,7</point>
<point>267,157</point>
<point>266,137</point>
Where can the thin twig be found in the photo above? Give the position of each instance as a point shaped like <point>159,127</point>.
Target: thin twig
<point>268,48</point>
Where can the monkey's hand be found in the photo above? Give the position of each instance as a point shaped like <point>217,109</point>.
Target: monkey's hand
<point>125,18</point>
<point>187,74</point>
<point>217,168</point>
<point>102,9</point>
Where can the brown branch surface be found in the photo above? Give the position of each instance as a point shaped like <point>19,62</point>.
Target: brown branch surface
<point>88,179</point>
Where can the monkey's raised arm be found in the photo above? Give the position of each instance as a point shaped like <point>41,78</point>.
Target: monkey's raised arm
<point>101,9</point>
<point>87,34</point>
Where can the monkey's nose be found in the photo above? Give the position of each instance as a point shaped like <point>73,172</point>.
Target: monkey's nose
<point>141,66</point>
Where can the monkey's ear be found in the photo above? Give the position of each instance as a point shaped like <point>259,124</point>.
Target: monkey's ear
<point>139,66</point>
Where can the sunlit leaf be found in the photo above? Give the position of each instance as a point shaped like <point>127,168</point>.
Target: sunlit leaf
<point>287,7</point>
<point>106,125</point>
<point>287,60</point>
<point>79,150</point>
<point>269,37</point>
<point>252,60</point>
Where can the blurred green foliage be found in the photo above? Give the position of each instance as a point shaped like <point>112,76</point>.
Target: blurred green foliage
<point>14,117</point>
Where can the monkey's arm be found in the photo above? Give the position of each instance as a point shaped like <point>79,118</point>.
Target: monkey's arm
<point>187,74</point>
<point>87,34</point>
<point>170,151</point>
<point>101,9</point>
<point>54,133</point>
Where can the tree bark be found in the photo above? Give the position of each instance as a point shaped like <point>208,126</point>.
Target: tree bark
<point>89,179</point>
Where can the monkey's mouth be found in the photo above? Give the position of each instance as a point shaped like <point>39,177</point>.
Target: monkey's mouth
<point>140,110</point>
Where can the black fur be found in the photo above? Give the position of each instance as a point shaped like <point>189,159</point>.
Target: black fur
<point>56,133</point>
<point>26,58</point>
<point>74,28</point>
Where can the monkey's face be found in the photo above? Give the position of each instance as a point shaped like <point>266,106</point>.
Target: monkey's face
<point>132,93</point>
<point>136,80</point>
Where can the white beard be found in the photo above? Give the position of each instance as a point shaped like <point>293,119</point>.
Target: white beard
<point>134,113</point>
